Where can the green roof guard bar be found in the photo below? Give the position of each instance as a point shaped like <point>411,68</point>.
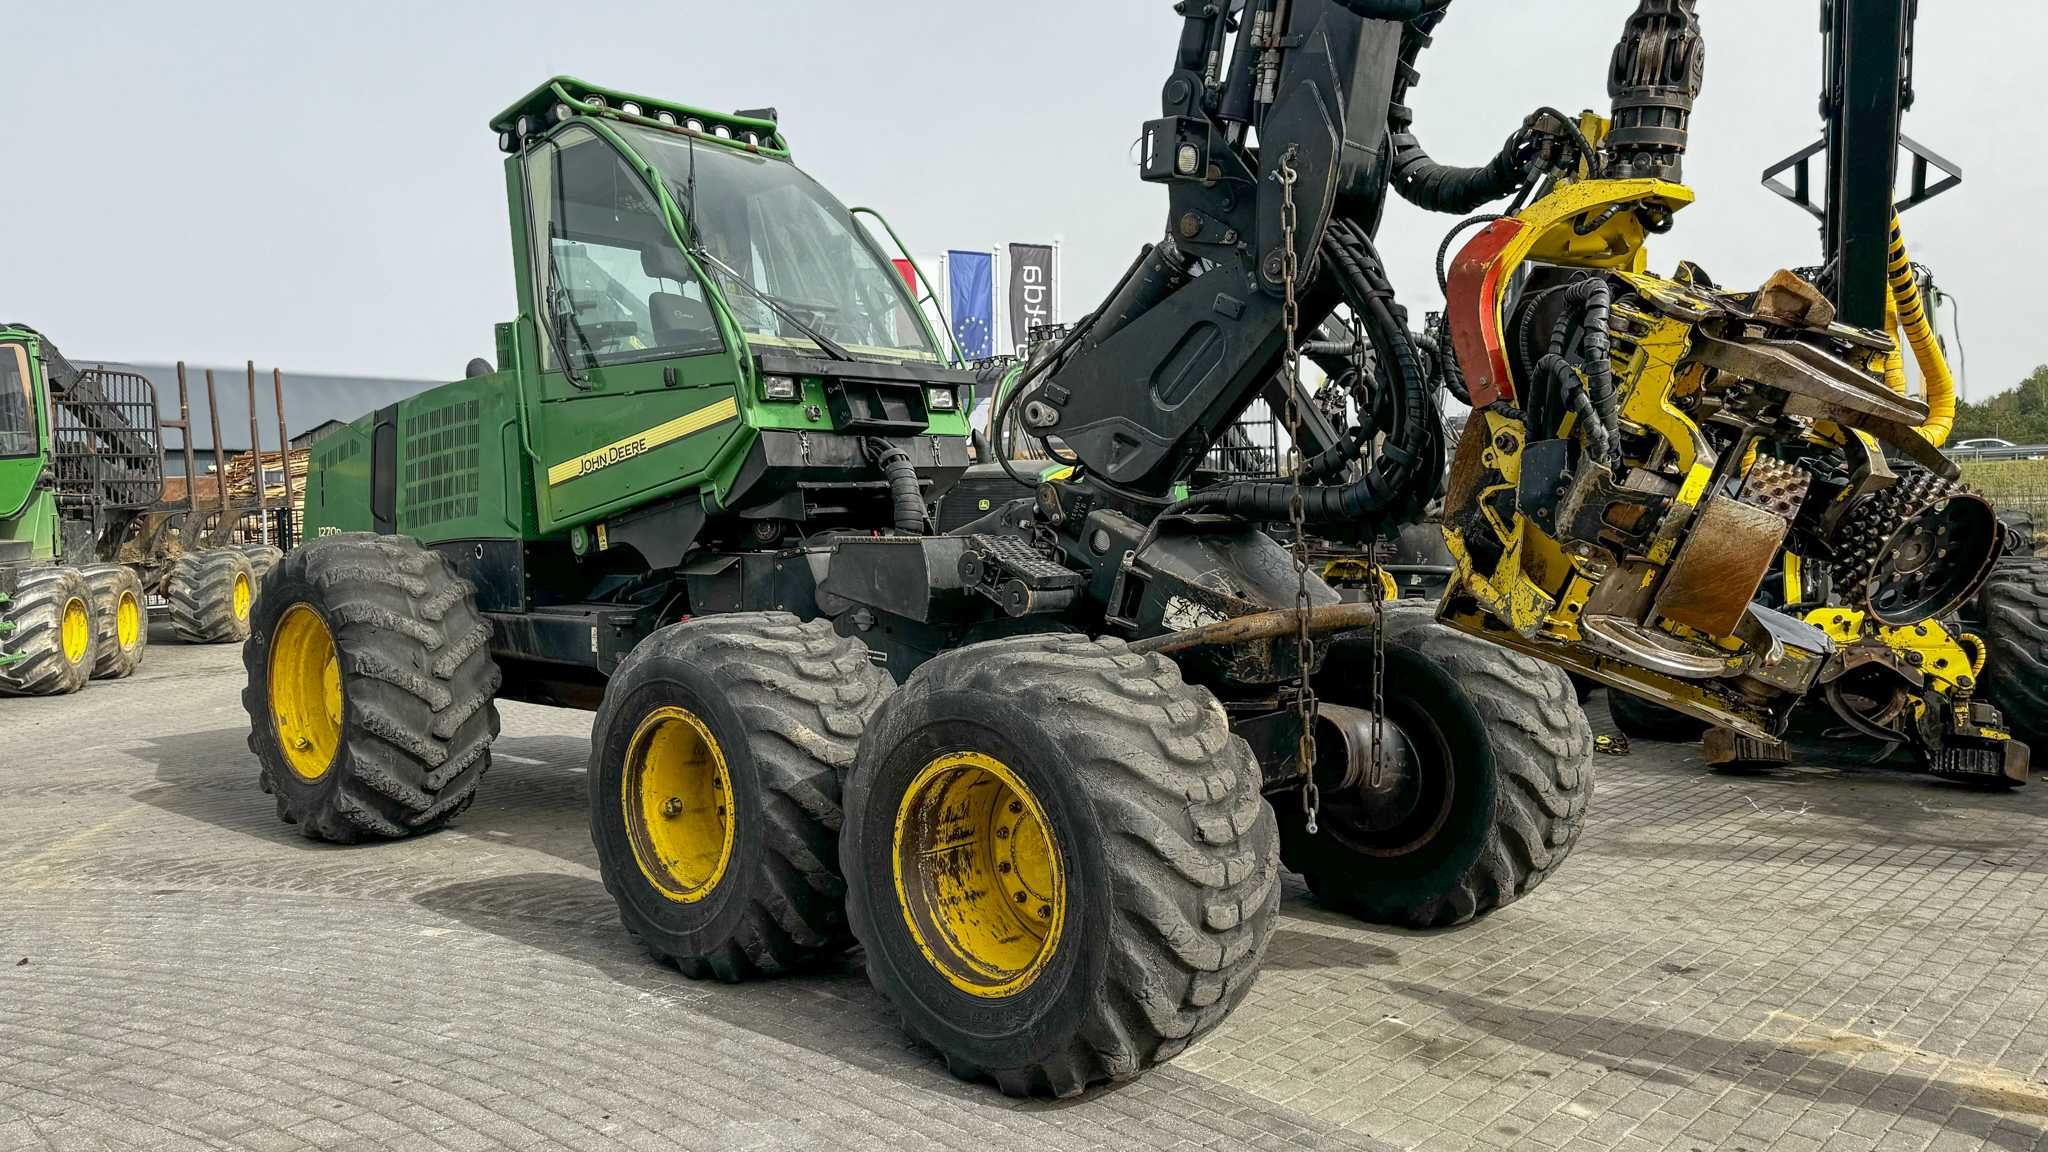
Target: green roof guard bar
<point>959,357</point>
<point>565,95</point>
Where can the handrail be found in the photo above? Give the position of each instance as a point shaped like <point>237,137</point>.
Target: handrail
<point>959,357</point>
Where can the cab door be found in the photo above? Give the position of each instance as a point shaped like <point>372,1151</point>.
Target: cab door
<point>637,393</point>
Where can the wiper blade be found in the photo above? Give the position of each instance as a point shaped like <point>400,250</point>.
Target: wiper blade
<point>555,295</point>
<point>831,347</point>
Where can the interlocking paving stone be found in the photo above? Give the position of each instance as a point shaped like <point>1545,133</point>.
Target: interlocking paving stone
<point>1823,958</point>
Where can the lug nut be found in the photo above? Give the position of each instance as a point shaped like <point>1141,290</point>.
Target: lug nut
<point>672,807</point>
<point>1003,866</point>
<point>1045,910</point>
<point>1021,897</point>
<point>1016,805</point>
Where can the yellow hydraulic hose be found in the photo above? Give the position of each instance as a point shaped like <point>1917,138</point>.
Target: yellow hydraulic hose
<point>1909,318</point>
<point>1978,652</point>
<point>1895,360</point>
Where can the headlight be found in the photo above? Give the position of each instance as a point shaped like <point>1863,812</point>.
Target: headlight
<point>941,399</point>
<point>778,387</point>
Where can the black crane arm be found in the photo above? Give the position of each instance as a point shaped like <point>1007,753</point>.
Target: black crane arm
<point>1143,388</point>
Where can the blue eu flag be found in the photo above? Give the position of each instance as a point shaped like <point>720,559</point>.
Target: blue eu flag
<point>971,287</point>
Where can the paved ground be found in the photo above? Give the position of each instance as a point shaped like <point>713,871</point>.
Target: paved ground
<point>1817,960</point>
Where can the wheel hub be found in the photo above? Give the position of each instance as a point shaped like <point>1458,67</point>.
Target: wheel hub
<point>127,620</point>
<point>244,596</point>
<point>306,702</point>
<point>978,874</point>
<point>678,804</point>
<point>76,630</point>
<point>1384,809</point>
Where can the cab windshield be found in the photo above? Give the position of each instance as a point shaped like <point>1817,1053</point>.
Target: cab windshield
<point>774,227</point>
<point>17,403</point>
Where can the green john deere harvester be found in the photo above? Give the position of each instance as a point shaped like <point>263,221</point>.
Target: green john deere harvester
<point>86,538</point>
<point>1027,763</point>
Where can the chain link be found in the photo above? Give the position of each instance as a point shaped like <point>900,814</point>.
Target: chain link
<point>1305,699</point>
<point>1377,576</point>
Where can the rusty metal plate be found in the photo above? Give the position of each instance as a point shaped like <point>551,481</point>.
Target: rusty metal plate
<point>1720,566</point>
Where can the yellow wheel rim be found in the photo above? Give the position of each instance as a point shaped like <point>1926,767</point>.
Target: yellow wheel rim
<point>127,620</point>
<point>245,595</point>
<point>305,692</point>
<point>978,875</point>
<point>678,805</point>
<point>76,630</point>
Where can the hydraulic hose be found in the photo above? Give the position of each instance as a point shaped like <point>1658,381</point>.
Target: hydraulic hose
<point>1419,179</point>
<point>906,499</point>
<point>1978,652</point>
<point>1935,378</point>
<point>1436,187</point>
<point>1591,299</point>
<point>1436,341</point>
<point>1894,360</point>
<point>1349,257</point>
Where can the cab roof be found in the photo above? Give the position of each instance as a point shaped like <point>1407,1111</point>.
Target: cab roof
<point>560,97</point>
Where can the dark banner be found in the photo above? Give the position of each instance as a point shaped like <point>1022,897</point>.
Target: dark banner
<point>1031,296</point>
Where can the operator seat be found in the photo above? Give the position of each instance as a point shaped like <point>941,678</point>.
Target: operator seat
<point>678,320</point>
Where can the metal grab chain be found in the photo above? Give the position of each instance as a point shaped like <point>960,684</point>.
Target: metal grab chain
<point>1305,700</point>
<point>1376,575</point>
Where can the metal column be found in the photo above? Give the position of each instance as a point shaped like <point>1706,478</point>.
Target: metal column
<point>1865,93</point>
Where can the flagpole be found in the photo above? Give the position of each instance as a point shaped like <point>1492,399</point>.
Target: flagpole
<point>1056,282</point>
<point>998,290</point>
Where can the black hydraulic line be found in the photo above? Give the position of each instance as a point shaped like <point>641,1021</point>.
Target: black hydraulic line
<point>1586,306</point>
<point>906,499</point>
<point>1417,178</point>
<point>1446,360</point>
<point>1436,187</point>
<point>1443,276</point>
<point>1349,256</point>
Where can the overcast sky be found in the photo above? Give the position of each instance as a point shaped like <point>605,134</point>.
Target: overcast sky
<point>314,186</point>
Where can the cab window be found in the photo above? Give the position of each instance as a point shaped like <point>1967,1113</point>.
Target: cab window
<point>17,403</point>
<point>608,277</point>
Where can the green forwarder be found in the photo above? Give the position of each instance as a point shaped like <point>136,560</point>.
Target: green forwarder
<point>86,537</point>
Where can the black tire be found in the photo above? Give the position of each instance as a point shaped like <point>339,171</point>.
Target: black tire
<point>262,558</point>
<point>1639,719</point>
<point>202,592</point>
<point>2015,606</point>
<point>2022,540</point>
<point>37,609</point>
<point>117,592</point>
<point>1506,776</point>
<point>785,703</point>
<point>416,683</point>
<point>1152,807</point>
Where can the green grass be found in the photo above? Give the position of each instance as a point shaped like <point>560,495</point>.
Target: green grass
<point>2018,485</point>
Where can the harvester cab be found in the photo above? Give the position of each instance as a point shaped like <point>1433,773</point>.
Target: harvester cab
<point>738,305</point>
<point>710,349</point>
